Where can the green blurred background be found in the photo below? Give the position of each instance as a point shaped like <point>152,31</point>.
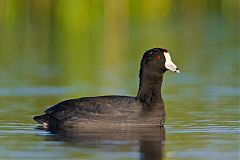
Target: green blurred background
<point>52,50</point>
<point>65,42</point>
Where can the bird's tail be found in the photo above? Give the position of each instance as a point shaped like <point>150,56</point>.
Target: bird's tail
<point>42,119</point>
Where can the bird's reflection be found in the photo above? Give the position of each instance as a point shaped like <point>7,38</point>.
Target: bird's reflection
<point>148,140</point>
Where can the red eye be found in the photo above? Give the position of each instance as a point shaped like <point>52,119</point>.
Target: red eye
<point>158,58</point>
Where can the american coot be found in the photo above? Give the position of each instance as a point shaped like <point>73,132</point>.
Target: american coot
<point>115,111</point>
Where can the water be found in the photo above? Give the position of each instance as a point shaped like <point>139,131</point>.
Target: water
<point>49,55</point>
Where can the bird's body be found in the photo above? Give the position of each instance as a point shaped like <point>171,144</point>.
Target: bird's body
<point>114,112</point>
<point>103,112</point>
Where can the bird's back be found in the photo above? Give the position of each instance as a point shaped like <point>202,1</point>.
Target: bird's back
<point>94,111</point>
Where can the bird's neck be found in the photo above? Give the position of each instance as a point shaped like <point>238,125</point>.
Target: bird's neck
<point>149,92</point>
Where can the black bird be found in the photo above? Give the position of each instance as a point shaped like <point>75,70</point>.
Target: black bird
<point>117,112</point>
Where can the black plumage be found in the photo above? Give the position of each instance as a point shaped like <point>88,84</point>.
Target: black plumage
<point>116,112</point>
